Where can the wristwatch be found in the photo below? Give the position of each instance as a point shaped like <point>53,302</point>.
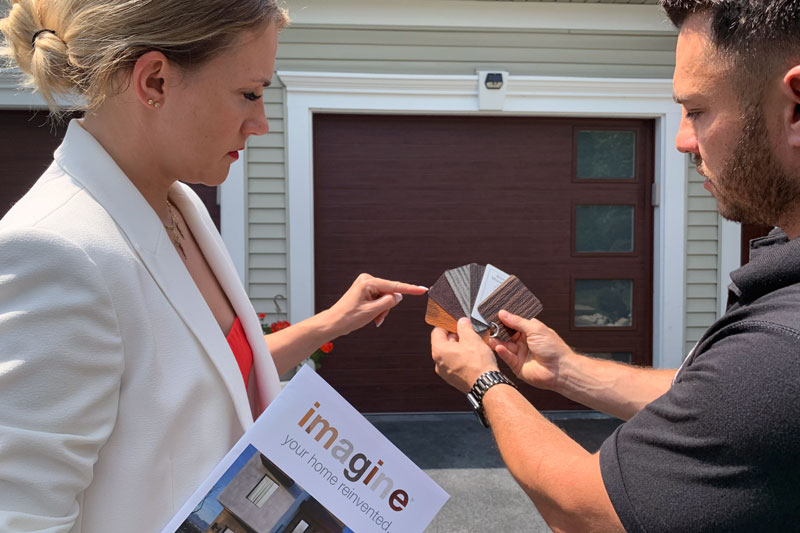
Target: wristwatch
<point>486,381</point>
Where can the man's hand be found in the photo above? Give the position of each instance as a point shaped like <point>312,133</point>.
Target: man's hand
<point>535,353</point>
<point>461,359</point>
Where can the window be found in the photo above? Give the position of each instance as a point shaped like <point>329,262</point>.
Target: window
<point>604,228</point>
<point>262,491</point>
<point>603,303</point>
<point>606,154</point>
<point>301,527</point>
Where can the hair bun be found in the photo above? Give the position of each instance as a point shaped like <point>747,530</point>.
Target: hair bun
<point>37,49</point>
<point>35,35</point>
<point>83,49</point>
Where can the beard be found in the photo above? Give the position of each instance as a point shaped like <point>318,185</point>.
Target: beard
<point>753,187</point>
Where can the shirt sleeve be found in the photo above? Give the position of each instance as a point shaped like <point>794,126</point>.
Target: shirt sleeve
<point>719,451</point>
<point>61,361</point>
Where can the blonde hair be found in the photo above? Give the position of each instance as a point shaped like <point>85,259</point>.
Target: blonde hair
<point>87,45</point>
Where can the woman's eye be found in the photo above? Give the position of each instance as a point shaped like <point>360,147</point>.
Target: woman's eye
<point>691,115</point>
<point>252,96</point>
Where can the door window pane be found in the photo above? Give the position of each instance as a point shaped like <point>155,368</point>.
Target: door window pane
<point>604,228</point>
<point>603,303</point>
<point>606,154</point>
<point>622,357</point>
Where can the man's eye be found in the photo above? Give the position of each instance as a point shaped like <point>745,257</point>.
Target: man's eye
<point>252,96</point>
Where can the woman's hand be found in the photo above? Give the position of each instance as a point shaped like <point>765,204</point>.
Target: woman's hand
<point>368,299</point>
<point>535,353</point>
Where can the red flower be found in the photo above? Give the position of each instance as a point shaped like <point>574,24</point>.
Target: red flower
<point>262,316</point>
<point>327,347</point>
<point>277,326</point>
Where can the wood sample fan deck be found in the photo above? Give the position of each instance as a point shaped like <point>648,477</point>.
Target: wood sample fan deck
<point>480,293</point>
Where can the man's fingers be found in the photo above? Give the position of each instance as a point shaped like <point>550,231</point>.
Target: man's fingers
<point>438,335</point>
<point>465,330</point>
<point>520,324</point>
<point>509,357</point>
<point>510,346</point>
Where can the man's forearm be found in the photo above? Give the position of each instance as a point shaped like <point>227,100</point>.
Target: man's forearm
<point>561,478</point>
<point>614,388</point>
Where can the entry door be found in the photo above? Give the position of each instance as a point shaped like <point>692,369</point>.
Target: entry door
<point>27,143</point>
<point>564,204</point>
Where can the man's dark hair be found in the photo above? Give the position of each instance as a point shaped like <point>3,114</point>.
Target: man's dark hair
<point>757,36</point>
<point>740,26</point>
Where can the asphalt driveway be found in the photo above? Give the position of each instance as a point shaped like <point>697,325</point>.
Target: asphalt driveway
<point>461,456</point>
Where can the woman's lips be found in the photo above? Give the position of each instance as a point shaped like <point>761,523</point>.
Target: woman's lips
<point>234,155</point>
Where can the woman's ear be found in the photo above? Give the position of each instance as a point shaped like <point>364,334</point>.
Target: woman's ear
<point>149,79</point>
<point>791,90</point>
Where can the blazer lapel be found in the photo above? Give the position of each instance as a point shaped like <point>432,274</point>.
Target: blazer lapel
<point>83,158</point>
<point>210,242</point>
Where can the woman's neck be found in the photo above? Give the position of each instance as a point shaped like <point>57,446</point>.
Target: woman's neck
<point>134,152</point>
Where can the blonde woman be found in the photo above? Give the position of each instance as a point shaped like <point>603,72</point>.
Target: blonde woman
<point>131,358</point>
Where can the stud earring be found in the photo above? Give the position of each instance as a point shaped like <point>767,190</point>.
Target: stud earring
<point>154,103</point>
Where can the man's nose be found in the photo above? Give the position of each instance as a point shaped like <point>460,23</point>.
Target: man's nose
<point>686,139</point>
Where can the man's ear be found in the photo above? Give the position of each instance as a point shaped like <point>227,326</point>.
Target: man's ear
<point>791,89</point>
<point>148,79</point>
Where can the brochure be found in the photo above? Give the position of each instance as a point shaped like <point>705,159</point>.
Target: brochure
<point>312,463</point>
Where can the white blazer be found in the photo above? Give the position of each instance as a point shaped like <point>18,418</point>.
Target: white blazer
<point>118,391</point>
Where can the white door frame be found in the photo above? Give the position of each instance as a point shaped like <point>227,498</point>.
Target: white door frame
<point>312,92</point>
<point>233,195</point>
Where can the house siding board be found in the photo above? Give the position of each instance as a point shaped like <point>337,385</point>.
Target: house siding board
<point>441,51</point>
<point>543,53</point>
<point>702,271</point>
<point>267,259</point>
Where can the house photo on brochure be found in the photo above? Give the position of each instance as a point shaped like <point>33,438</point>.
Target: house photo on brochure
<point>311,463</point>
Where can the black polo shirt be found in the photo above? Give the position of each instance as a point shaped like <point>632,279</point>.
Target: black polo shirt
<point>720,451</point>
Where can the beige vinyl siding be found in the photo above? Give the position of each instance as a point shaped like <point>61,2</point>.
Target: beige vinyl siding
<point>416,51</point>
<point>266,210</point>
<point>437,51</point>
<point>702,262</point>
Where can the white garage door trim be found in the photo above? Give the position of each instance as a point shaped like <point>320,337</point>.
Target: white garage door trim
<point>311,92</point>
<point>233,198</point>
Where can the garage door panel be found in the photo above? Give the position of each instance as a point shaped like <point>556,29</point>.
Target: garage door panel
<point>406,197</point>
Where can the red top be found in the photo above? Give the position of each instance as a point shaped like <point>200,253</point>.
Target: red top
<point>241,349</point>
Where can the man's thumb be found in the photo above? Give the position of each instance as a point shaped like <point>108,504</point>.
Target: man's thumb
<point>516,322</point>
<point>465,329</point>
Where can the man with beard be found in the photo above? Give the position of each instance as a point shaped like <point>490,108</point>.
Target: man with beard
<point>713,445</point>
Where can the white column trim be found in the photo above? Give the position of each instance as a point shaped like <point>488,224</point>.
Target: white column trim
<point>233,215</point>
<point>729,257</point>
<point>310,92</point>
<point>492,15</point>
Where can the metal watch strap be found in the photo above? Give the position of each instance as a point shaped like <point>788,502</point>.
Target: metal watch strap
<point>486,381</point>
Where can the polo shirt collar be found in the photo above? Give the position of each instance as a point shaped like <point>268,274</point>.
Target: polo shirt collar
<point>774,264</point>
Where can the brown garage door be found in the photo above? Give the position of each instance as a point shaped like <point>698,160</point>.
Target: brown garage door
<point>27,143</point>
<point>562,203</point>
